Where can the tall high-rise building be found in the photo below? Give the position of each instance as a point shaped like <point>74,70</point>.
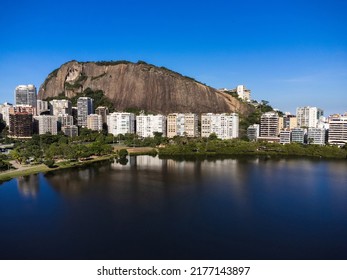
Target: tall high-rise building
<point>338,130</point>
<point>146,125</point>
<point>121,123</point>
<point>21,124</point>
<point>269,124</point>
<point>94,122</point>
<point>47,124</point>
<point>60,107</point>
<point>308,116</point>
<point>182,125</point>
<point>225,126</point>
<point>84,108</point>
<point>25,95</point>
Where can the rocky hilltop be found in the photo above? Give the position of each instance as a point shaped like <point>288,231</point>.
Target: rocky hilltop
<point>139,85</point>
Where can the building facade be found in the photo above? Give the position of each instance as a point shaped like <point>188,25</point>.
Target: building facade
<point>60,107</point>
<point>225,126</point>
<point>64,120</point>
<point>269,124</point>
<point>243,93</point>
<point>42,107</point>
<point>147,125</point>
<point>21,124</point>
<point>70,130</point>
<point>47,124</point>
<point>103,112</point>
<point>316,136</point>
<point>179,124</point>
<point>298,135</point>
<point>25,95</point>
<point>84,108</point>
<point>94,122</point>
<point>121,123</point>
<point>285,137</point>
<point>308,116</point>
<point>253,132</point>
<point>338,130</point>
<point>5,112</point>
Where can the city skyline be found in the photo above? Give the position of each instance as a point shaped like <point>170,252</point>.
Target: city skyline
<point>290,53</point>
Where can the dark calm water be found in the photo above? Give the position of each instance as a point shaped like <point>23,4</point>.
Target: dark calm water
<point>166,209</point>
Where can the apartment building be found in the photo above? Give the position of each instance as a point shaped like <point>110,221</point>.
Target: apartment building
<point>84,108</point>
<point>25,95</point>
<point>147,125</point>
<point>94,122</point>
<point>298,135</point>
<point>47,124</point>
<point>316,136</point>
<point>338,130</point>
<point>60,107</point>
<point>121,123</point>
<point>179,124</point>
<point>225,126</point>
<point>308,116</point>
<point>269,124</point>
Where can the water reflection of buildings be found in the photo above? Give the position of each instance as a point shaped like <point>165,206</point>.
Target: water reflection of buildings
<point>28,186</point>
<point>75,181</point>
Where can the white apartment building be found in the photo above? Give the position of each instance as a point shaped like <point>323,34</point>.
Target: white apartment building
<point>316,136</point>
<point>60,107</point>
<point>5,112</point>
<point>243,93</point>
<point>225,126</point>
<point>269,124</point>
<point>338,130</point>
<point>308,116</point>
<point>47,124</point>
<point>94,122</point>
<point>146,125</point>
<point>179,124</point>
<point>253,132</point>
<point>121,123</point>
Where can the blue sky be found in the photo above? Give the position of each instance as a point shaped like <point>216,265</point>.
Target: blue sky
<point>291,53</point>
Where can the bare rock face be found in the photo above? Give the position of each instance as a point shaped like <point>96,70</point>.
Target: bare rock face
<point>140,85</point>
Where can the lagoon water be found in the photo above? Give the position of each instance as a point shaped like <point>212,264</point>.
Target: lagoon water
<point>168,209</point>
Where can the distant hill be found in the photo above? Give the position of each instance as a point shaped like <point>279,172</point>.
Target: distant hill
<point>139,85</point>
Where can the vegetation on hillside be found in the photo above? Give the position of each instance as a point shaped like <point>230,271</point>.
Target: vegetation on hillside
<point>98,96</point>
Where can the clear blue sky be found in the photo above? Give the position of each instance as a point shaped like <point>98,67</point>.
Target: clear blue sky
<point>291,53</point>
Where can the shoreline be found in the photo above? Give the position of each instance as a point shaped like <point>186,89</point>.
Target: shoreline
<point>42,168</point>
<point>138,151</point>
